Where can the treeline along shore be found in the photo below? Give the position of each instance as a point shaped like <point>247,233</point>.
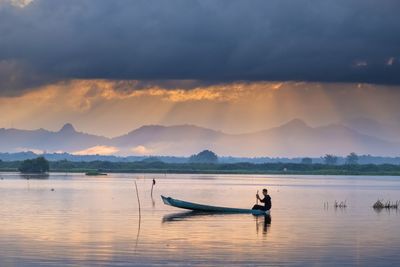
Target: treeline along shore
<point>203,162</point>
<point>212,168</point>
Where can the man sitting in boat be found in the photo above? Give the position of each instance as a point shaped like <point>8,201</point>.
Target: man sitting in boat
<point>266,201</point>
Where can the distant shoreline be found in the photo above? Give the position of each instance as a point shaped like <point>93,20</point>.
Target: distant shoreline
<point>204,168</point>
<point>217,173</point>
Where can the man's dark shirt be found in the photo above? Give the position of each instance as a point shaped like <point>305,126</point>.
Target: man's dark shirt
<point>267,202</point>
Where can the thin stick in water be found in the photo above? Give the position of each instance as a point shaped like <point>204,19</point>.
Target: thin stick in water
<point>140,216</point>
<point>152,185</point>
<point>153,203</point>
<point>137,195</point>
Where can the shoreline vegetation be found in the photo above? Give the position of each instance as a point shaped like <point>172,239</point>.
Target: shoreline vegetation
<point>380,204</point>
<point>205,162</point>
<point>337,160</point>
<point>211,168</point>
<point>94,173</point>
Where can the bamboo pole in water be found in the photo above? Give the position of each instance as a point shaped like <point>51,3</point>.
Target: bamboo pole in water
<point>152,186</point>
<point>140,216</point>
<point>137,195</point>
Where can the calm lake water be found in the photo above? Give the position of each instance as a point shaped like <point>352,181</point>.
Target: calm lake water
<point>94,221</point>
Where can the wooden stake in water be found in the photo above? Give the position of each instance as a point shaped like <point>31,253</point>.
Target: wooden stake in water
<point>140,217</point>
<point>137,195</point>
<point>152,185</point>
<point>153,203</point>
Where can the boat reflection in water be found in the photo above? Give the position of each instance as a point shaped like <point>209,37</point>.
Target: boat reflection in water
<point>261,220</point>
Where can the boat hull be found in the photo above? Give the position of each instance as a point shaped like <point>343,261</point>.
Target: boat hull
<point>206,208</point>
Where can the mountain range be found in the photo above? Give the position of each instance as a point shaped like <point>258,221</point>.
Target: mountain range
<point>292,139</point>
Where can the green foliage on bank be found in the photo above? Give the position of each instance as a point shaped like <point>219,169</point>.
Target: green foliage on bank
<point>205,156</point>
<point>38,165</point>
<point>235,168</point>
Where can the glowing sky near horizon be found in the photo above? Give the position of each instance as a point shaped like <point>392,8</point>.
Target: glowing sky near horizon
<point>102,107</point>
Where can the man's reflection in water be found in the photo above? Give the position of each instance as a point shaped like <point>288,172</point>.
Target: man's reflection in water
<point>263,222</point>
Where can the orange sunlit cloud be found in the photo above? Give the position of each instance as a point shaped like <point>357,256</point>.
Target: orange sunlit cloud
<point>142,150</point>
<point>102,107</point>
<point>97,150</point>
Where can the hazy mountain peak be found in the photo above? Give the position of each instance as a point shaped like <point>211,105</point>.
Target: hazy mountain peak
<point>295,138</point>
<point>180,127</point>
<point>296,123</point>
<point>67,128</point>
<point>375,128</point>
<point>152,126</point>
<point>145,128</point>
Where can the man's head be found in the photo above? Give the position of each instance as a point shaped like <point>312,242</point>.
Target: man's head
<point>265,192</point>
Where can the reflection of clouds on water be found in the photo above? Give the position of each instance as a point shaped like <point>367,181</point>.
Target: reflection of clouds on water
<point>94,221</point>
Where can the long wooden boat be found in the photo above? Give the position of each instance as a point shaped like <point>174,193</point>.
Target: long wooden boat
<point>206,208</point>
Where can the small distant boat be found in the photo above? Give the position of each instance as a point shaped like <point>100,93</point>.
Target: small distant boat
<point>206,208</point>
<point>95,173</point>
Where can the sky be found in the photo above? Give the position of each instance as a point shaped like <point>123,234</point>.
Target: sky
<point>109,67</point>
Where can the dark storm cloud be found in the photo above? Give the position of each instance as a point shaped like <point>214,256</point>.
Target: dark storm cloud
<point>213,40</point>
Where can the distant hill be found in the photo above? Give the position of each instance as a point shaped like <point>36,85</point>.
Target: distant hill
<point>173,140</point>
<point>66,139</point>
<point>296,139</point>
<point>292,139</point>
<point>374,128</point>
